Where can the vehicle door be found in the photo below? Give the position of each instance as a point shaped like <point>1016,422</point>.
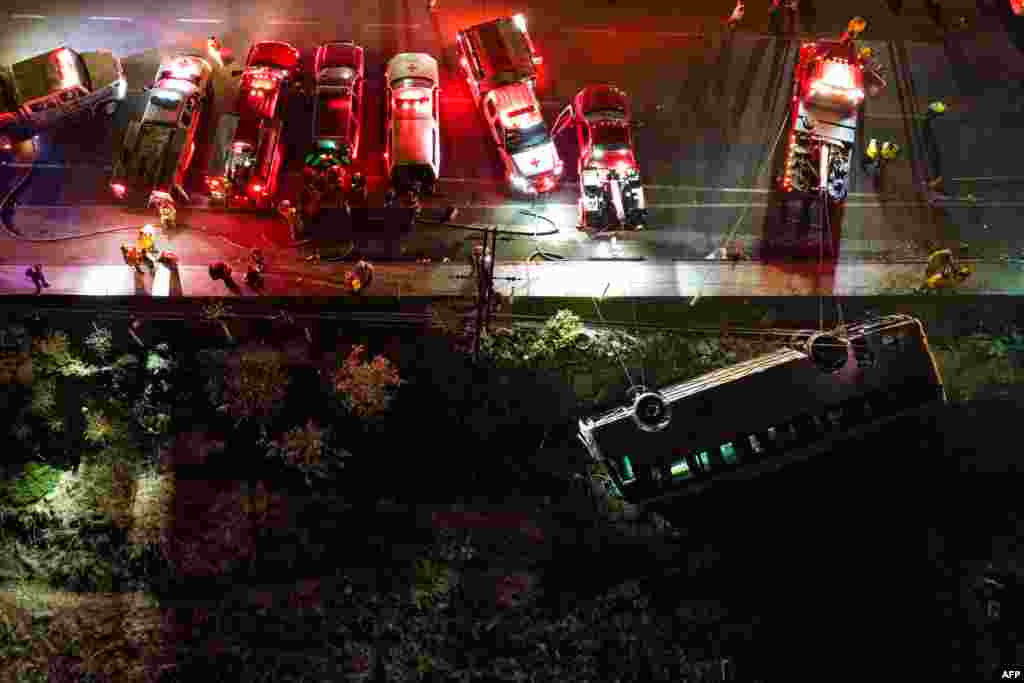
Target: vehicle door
<point>355,118</point>
<point>494,121</point>
<point>388,152</point>
<point>189,121</point>
<point>563,120</point>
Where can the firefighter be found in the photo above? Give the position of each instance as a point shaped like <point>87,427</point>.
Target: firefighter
<point>291,216</point>
<point>358,193</point>
<point>257,259</point>
<point>220,271</point>
<point>147,244</point>
<point>254,277</point>
<point>853,30</point>
<point>132,257</point>
<point>168,214</point>
<point>334,181</point>
<point>871,161</point>
<point>890,151</point>
<point>213,46</point>
<point>737,15</point>
<point>935,109</point>
<point>390,198</point>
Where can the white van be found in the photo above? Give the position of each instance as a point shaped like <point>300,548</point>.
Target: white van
<point>412,148</point>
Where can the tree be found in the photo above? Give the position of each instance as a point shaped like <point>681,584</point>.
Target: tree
<point>216,312</point>
<point>366,388</point>
<point>100,341</point>
<point>308,449</point>
<point>255,387</point>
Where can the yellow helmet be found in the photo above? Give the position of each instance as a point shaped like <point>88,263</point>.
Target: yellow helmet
<point>356,284</point>
<point>867,53</point>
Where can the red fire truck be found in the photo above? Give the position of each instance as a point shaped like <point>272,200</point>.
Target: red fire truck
<point>248,146</point>
<point>828,90</point>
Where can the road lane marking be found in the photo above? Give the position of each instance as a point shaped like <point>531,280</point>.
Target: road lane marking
<point>292,22</point>
<point>111,19</point>
<point>201,21</point>
<point>27,16</point>
<point>391,25</point>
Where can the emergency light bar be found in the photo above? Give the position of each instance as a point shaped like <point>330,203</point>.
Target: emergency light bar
<point>261,84</point>
<point>520,21</point>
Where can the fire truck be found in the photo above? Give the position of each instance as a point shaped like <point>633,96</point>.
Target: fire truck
<point>248,145</point>
<point>828,90</point>
<point>500,63</point>
<point>48,89</point>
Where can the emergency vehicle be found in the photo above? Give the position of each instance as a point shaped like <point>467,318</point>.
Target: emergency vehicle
<point>500,63</point>
<point>340,73</point>
<point>46,90</point>
<point>828,90</point>
<point>249,147</point>
<point>611,192</point>
<point>158,149</point>
<point>1017,6</point>
<point>412,148</point>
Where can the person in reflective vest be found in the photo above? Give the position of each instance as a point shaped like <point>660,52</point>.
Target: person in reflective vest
<point>889,151</point>
<point>871,161</point>
<point>737,15</point>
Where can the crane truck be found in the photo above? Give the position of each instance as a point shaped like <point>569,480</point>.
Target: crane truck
<point>828,90</point>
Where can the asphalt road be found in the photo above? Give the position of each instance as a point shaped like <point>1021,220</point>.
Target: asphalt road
<point>710,105</point>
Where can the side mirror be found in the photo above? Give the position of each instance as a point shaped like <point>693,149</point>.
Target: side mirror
<point>236,73</point>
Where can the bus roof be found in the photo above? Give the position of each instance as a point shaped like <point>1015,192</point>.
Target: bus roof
<point>775,388</point>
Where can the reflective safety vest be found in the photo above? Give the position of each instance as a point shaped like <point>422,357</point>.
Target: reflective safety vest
<point>939,262</point>
<point>890,151</point>
<point>872,150</point>
<point>937,107</point>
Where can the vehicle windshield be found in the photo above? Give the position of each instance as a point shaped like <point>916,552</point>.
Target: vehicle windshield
<point>400,83</point>
<point>164,102</point>
<point>607,114</point>
<point>519,139</point>
<point>192,78</point>
<point>611,137</point>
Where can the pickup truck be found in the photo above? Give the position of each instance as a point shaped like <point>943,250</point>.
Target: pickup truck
<point>49,89</point>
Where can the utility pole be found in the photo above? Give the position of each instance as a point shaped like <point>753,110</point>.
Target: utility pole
<point>485,270</point>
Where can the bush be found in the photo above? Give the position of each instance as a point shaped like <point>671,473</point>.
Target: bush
<point>366,388</point>
<point>36,481</point>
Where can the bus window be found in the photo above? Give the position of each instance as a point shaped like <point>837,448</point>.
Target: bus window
<point>627,470</point>
<point>729,454</point>
<point>680,469</point>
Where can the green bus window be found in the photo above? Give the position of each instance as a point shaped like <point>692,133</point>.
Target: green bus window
<point>627,470</point>
<point>680,469</point>
<point>704,460</point>
<point>729,453</point>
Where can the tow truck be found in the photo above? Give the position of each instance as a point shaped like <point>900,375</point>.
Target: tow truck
<point>611,192</point>
<point>248,145</point>
<point>48,89</point>
<point>501,63</point>
<point>158,149</point>
<point>828,90</point>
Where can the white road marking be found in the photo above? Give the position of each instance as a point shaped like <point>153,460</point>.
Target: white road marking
<point>201,21</point>
<point>391,25</point>
<point>292,22</point>
<point>161,280</point>
<point>111,19</point>
<point>27,16</point>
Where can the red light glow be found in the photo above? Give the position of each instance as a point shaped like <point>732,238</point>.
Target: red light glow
<point>338,103</point>
<point>118,189</point>
<point>66,67</point>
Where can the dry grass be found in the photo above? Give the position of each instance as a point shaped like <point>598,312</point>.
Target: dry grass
<point>116,635</point>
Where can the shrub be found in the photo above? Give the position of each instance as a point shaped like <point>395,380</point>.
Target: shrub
<point>366,388</point>
<point>308,450</point>
<point>100,341</point>
<point>432,582</point>
<point>255,387</point>
<point>36,481</point>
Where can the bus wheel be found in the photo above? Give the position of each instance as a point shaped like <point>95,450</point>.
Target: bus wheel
<point>110,108</point>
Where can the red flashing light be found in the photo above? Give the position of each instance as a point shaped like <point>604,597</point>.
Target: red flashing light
<point>257,188</point>
<point>118,189</point>
<point>337,103</point>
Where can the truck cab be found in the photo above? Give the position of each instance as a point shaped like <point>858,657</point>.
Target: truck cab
<point>497,53</point>
<point>158,149</point>
<point>340,73</point>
